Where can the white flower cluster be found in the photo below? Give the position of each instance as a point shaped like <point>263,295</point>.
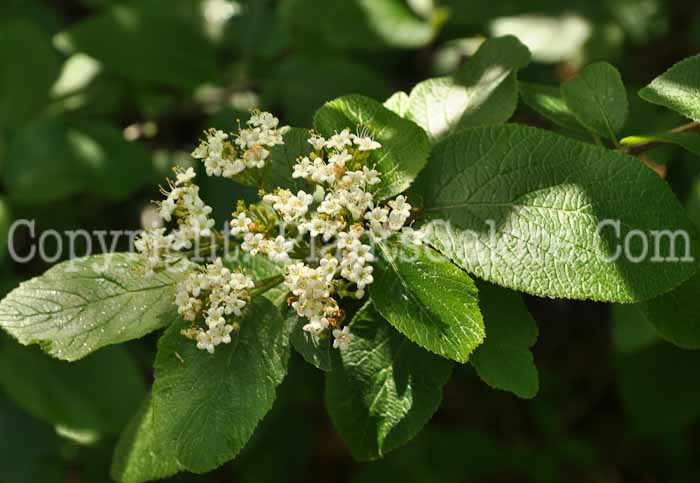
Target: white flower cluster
<point>184,204</point>
<point>344,214</point>
<point>221,157</point>
<point>215,293</point>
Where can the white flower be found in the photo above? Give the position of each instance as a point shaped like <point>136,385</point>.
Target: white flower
<point>303,168</point>
<point>340,140</point>
<point>279,248</point>
<point>371,176</point>
<point>253,243</point>
<point>155,248</point>
<point>233,167</point>
<point>255,157</point>
<point>184,177</point>
<point>265,120</point>
<point>342,338</point>
<point>331,205</point>
<point>168,207</point>
<point>415,237</point>
<point>221,334</point>
<point>318,226</point>
<point>340,159</point>
<point>400,205</point>
<point>247,138</point>
<point>205,342</point>
<point>377,215</point>
<point>317,142</point>
<point>316,326</point>
<point>291,207</point>
<point>240,224</point>
<point>321,172</point>
<point>366,143</point>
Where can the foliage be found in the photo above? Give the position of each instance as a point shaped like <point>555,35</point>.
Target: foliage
<point>586,192</point>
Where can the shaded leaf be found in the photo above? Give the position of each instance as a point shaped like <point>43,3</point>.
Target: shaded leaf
<point>598,99</point>
<point>385,388</point>
<point>676,314</point>
<point>504,360</point>
<point>540,213</point>
<point>147,43</point>
<point>29,68</point>
<point>96,395</point>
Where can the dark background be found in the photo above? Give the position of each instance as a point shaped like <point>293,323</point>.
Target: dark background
<point>99,98</point>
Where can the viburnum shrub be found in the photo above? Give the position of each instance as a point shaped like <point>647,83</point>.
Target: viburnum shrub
<point>388,243</point>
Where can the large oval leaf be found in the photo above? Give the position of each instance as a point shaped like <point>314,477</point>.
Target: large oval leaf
<point>80,306</point>
<point>206,407</point>
<point>597,98</point>
<point>540,213</point>
<point>484,91</point>
<point>91,398</point>
<point>428,299</point>
<point>385,389</point>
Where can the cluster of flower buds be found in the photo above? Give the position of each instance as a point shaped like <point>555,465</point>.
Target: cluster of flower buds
<point>338,213</point>
<point>183,205</point>
<point>250,147</point>
<point>216,294</point>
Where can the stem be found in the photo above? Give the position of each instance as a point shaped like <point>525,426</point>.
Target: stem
<point>266,284</point>
<point>644,147</point>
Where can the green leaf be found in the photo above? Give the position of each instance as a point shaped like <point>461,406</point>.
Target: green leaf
<point>484,91</point>
<point>676,314</point>
<point>280,165</point>
<point>316,350</point>
<point>148,44</point>
<point>522,207</point>
<point>548,102</point>
<point>674,401</point>
<point>598,99</point>
<point>678,88</point>
<point>71,159</point>
<point>141,455</point>
<point>29,69</point>
<point>385,389</point>
<point>118,167</point>
<point>687,140</point>
<point>206,407</point>
<point>41,172</point>
<point>428,299</point>
<point>96,396</point>
<point>31,451</point>
<point>82,305</point>
<point>358,25</point>
<point>631,329</point>
<point>405,147</point>
<point>301,83</point>
<point>398,103</point>
<point>504,360</point>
